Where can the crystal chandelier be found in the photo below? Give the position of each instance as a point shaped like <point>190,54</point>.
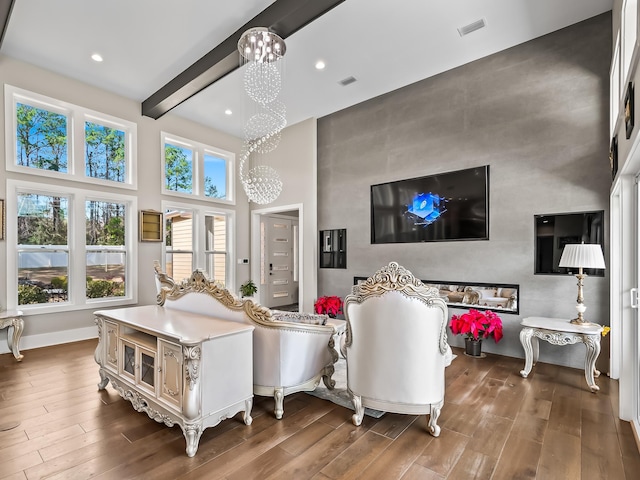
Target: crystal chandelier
<point>261,53</point>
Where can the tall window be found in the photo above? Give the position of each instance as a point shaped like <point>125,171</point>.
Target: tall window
<point>73,247</point>
<point>45,141</point>
<point>197,237</point>
<point>195,170</point>
<point>43,248</point>
<point>106,257</point>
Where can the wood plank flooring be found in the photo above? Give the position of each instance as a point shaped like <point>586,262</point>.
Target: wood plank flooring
<point>495,425</point>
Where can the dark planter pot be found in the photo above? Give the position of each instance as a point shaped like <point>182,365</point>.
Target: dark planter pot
<point>472,347</point>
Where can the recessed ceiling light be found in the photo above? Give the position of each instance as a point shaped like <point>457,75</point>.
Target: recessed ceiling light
<point>96,57</point>
<point>320,65</point>
<point>228,111</point>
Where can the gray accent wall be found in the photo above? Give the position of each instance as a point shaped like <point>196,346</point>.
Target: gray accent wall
<point>538,115</point>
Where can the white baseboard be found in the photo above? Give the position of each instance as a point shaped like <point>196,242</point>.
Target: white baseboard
<point>53,338</point>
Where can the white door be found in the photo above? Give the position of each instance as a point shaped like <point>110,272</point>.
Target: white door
<point>278,262</point>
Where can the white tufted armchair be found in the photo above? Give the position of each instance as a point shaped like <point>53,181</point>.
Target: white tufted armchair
<point>289,354</point>
<point>396,345</point>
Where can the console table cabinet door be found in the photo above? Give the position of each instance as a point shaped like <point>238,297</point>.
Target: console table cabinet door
<point>170,373</point>
<point>146,369</point>
<point>138,365</point>
<point>112,345</point>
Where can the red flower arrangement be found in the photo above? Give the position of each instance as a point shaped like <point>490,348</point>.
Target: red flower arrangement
<point>331,306</point>
<point>477,325</point>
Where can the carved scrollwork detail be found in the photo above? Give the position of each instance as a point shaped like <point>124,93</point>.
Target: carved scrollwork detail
<point>192,364</point>
<point>395,277</point>
<point>557,338</point>
<point>140,404</point>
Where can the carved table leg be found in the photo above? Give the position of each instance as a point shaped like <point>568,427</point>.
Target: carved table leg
<point>13,341</point>
<point>592,342</point>
<point>192,433</point>
<point>103,380</point>
<point>526,335</point>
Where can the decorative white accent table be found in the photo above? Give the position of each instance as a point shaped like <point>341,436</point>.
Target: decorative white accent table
<point>13,318</point>
<point>558,331</point>
<point>178,367</point>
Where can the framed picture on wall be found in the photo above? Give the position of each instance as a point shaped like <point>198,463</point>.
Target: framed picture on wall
<point>613,157</point>
<point>629,110</point>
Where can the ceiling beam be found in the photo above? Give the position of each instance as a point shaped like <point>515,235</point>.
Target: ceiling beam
<point>283,17</point>
<point>5,14</point>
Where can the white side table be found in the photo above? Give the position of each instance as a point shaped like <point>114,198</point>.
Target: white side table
<point>13,318</point>
<point>558,331</point>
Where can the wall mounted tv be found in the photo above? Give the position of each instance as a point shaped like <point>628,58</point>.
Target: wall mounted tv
<point>443,207</point>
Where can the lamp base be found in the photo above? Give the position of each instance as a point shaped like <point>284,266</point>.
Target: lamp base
<point>580,321</point>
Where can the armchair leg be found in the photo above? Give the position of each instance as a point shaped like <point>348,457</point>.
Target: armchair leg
<point>357,417</point>
<point>434,428</point>
<point>278,395</point>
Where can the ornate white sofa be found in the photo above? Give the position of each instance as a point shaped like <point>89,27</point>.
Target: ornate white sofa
<point>396,345</point>
<point>288,356</point>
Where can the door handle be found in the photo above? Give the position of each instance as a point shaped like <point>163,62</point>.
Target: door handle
<point>634,297</point>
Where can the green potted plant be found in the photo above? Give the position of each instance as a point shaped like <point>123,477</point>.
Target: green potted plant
<point>248,289</point>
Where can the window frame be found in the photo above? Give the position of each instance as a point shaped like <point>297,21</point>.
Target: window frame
<point>199,150</point>
<point>77,248</point>
<point>199,214</point>
<point>77,116</point>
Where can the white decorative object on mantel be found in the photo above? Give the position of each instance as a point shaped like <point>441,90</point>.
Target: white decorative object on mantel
<point>180,368</point>
<point>13,319</point>
<point>558,331</point>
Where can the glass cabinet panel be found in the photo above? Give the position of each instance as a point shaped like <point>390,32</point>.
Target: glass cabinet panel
<point>147,368</point>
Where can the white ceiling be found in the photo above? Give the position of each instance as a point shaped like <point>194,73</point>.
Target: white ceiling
<point>384,44</point>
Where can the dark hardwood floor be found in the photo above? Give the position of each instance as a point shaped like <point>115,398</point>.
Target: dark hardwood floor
<point>495,425</point>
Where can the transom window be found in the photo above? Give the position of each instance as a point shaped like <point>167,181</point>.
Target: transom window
<point>53,138</point>
<point>195,170</point>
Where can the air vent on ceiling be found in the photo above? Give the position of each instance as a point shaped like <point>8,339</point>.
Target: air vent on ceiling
<point>472,27</point>
<point>347,81</point>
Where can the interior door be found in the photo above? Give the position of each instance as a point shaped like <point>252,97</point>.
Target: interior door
<point>278,262</point>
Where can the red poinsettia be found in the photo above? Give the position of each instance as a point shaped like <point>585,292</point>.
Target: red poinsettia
<point>330,305</point>
<point>475,324</point>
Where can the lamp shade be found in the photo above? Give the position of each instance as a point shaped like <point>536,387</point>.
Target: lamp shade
<point>585,255</point>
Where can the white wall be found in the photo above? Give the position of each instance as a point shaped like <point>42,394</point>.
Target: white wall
<point>295,161</point>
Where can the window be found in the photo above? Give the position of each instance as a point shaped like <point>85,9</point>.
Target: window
<point>629,35</point>
<point>194,170</point>
<point>106,253</point>
<point>187,227</point>
<point>73,247</point>
<point>43,248</point>
<point>53,138</point>
<point>614,88</point>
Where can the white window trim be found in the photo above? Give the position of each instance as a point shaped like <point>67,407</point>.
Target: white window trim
<point>75,138</point>
<point>198,258</point>
<point>77,249</point>
<point>199,150</point>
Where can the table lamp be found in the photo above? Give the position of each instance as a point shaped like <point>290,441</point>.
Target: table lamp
<point>581,256</point>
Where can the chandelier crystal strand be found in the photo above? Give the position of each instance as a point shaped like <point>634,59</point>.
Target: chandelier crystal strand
<point>261,53</point>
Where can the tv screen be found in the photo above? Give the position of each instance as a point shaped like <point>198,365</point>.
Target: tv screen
<point>442,207</point>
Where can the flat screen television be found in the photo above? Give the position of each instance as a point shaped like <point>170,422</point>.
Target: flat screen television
<point>443,207</point>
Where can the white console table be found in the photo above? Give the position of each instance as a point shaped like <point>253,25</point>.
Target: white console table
<point>559,331</point>
<point>13,318</point>
<point>179,368</point>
